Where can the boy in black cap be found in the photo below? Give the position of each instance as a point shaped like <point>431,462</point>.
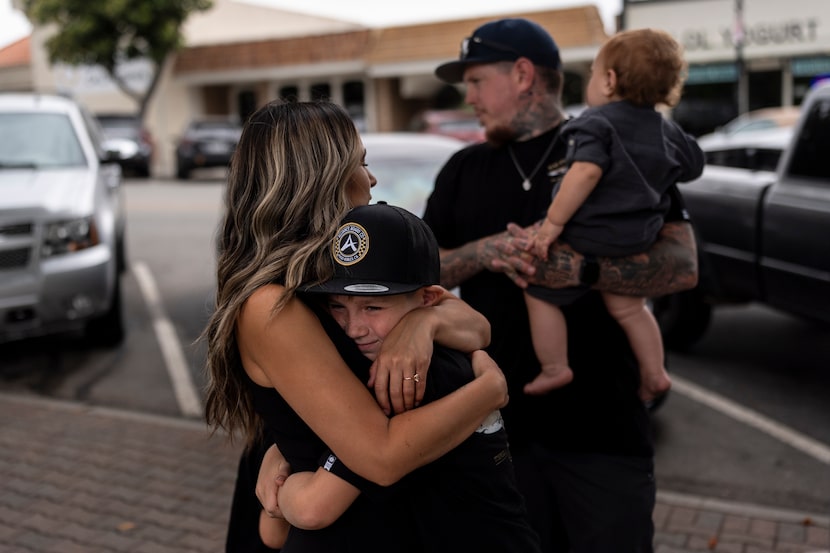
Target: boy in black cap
<point>387,264</point>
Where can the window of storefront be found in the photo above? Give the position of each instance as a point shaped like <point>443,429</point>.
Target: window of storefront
<point>355,103</point>
<point>709,98</point>
<point>764,89</point>
<point>320,91</point>
<point>246,104</point>
<point>289,93</point>
<point>573,89</point>
<point>806,71</point>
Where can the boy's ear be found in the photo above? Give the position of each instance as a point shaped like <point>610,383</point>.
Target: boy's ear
<point>610,82</point>
<point>431,295</point>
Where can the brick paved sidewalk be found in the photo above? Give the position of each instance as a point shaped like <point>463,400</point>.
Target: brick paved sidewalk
<point>75,478</point>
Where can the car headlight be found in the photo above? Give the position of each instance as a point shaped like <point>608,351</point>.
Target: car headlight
<point>69,236</point>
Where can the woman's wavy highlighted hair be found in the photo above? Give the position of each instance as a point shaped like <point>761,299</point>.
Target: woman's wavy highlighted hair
<point>285,196</point>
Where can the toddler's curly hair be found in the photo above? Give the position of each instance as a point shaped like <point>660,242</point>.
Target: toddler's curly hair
<point>649,65</point>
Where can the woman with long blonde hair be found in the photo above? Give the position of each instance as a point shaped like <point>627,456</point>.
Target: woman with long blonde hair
<point>298,167</point>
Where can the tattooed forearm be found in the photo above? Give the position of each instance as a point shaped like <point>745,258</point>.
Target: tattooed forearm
<point>458,265</point>
<point>669,266</point>
<point>561,270</point>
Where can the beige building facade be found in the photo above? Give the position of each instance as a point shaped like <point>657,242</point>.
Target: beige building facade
<point>239,56</point>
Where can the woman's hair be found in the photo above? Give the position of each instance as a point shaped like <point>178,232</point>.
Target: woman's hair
<point>649,65</point>
<point>286,193</point>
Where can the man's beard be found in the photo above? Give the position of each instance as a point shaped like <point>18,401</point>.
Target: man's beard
<point>500,135</point>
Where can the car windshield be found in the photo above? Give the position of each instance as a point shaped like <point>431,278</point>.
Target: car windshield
<point>403,180</point>
<point>119,131</point>
<point>39,140</point>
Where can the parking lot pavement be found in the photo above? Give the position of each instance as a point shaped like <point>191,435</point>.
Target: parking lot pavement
<point>87,479</point>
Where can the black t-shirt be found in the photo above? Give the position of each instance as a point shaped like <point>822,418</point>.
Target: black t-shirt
<point>374,522</point>
<point>476,194</point>
<point>467,500</point>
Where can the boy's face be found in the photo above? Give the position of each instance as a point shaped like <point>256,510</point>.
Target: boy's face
<point>368,319</point>
<point>600,89</point>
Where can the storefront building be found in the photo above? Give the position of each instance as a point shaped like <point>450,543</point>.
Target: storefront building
<point>743,54</point>
<point>239,56</point>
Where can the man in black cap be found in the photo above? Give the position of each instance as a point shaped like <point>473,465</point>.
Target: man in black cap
<point>583,453</point>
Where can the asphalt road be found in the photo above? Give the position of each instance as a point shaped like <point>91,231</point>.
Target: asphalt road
<point>748,418</point>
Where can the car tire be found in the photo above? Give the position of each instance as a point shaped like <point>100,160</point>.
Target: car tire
<point>108,329</point>
<point>121,254</point>
<point>183,172</point>
<point>683,318</point>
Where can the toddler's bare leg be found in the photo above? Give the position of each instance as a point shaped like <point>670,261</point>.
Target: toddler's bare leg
<point>643,333</point>
<point>550,342</point>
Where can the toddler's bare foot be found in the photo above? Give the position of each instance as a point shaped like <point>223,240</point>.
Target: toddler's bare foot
<point>548,380</point>
<point>654,386</point>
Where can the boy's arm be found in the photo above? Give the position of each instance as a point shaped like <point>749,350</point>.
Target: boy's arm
<point>273,531</point>
<point>577,184</point>
<point>314,500</point>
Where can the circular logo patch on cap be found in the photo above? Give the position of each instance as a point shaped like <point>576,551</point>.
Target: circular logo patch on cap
<point>350,244</point>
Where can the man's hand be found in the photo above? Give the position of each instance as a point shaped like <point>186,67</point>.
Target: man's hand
<point>273,471</point>
<point>560,270</point>
<point>507,253</point>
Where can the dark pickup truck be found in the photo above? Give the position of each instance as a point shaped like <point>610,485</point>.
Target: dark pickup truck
<point>763,236</point>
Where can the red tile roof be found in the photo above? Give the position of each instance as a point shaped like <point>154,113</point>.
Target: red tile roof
<point>17,53</point>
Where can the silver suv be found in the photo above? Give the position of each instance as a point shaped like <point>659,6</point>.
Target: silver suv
<point>61,222</point>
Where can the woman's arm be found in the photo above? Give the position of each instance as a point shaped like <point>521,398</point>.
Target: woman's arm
<point>292,352</point>
<point>407,350</point>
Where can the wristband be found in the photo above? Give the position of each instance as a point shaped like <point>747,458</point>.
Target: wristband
<point>589,270</point>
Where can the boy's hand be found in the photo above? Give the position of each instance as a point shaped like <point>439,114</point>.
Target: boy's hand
<point>273,471</point>
<point>546,235</point>
<point>484,366</point>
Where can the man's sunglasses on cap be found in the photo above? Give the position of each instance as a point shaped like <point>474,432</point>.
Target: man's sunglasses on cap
<point>465,46</point>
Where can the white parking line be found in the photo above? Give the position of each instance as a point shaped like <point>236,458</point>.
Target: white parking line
<point>171,349</point>
<point>785,434</point>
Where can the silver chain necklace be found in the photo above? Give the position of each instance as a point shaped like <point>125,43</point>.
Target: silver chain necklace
<point>526,182</point>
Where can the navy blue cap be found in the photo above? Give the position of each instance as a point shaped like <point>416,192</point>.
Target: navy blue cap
<point>503,40</point>
<point>381,250</point>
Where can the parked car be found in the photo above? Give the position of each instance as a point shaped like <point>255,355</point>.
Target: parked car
<point>406,165</point>
<point>455,123</point>
<point>754,140</point>
<point>206,143</point>
<point>761,235</point>
<point>757,150</point>
<point>758,120</point>
<point>127,142</point>
<point>62,222</point>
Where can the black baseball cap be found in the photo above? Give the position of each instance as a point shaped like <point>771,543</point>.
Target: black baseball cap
<point>503,40</point>
<point>381,250</point>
